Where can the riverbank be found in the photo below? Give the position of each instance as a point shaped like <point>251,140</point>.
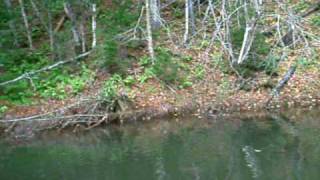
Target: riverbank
<point>217,93</point>
<point>121,81</point>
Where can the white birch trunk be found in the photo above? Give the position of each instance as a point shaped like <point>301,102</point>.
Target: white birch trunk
<point>94,26</point>
<point>149,32</point>
<point>186,32</point>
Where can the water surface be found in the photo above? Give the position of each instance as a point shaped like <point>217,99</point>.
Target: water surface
<point>268,147</point>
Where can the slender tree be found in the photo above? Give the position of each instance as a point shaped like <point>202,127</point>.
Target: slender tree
<point>94,26</point>
<point>74,28</point>
<point>187,23</point>
<point>155,14</point>
<point>26,24</point>
<point>149,31</point>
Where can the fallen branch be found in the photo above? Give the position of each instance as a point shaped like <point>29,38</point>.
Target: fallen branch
<point>276,91</point>
<point>47,68</point>
<point>312,10</point>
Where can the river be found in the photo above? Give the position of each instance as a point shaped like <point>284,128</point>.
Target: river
<point>276,146</point>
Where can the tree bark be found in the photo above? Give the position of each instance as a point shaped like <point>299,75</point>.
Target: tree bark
<point>187,22</point>
<point>74,29</point>
<point>94,26</point>
<point>155,14</point>
<point>192,17</point>
<point>83,36</point>
<point>149,32</point>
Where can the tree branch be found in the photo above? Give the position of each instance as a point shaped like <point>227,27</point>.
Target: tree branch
<point>47,68</point>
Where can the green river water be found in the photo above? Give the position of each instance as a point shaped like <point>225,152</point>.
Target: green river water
<point>263,147</point>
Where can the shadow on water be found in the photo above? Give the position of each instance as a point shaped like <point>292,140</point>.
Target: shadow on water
<point>265,147</point>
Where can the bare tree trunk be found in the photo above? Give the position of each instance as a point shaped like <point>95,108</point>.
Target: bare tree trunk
<point>94,26</point>
<point>74,29</point>
<point>50,31</point>
<point>250,32</point>
<point>155,14</point>
<point>149,32</point>
<point>12,24</point>
<point>226,42</point>
<point>26,24</point>
<point>276,91</point>
<point>192,17</point>
<point>186,31</point>
<point>83,36</point>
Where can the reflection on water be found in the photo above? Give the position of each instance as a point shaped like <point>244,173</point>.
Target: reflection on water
<point>272,147</point>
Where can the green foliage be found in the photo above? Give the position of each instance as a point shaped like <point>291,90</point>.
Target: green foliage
<point>116,20</point>
<point>110,88</point>
<point>14,64</point>
<point>199,71</point>
<point>270,65</point>
<point>148,73</point>
<point>3,109</point>
<point>185,83</point>
<point>187,58</point>
<point>56,84</point>
<point>60,84</point>
<point>257,58</point>
<point>301,6</point>
<point>111,59</point>
<point>129,81</point>
<point>144,61</point>
<point>304,62</point>
<point>316,20</point>
<point>259,48</point>
<point>165,67</point>
<point>178,9</point>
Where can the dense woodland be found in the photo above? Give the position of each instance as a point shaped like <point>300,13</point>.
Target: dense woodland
<point>86,60</point>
